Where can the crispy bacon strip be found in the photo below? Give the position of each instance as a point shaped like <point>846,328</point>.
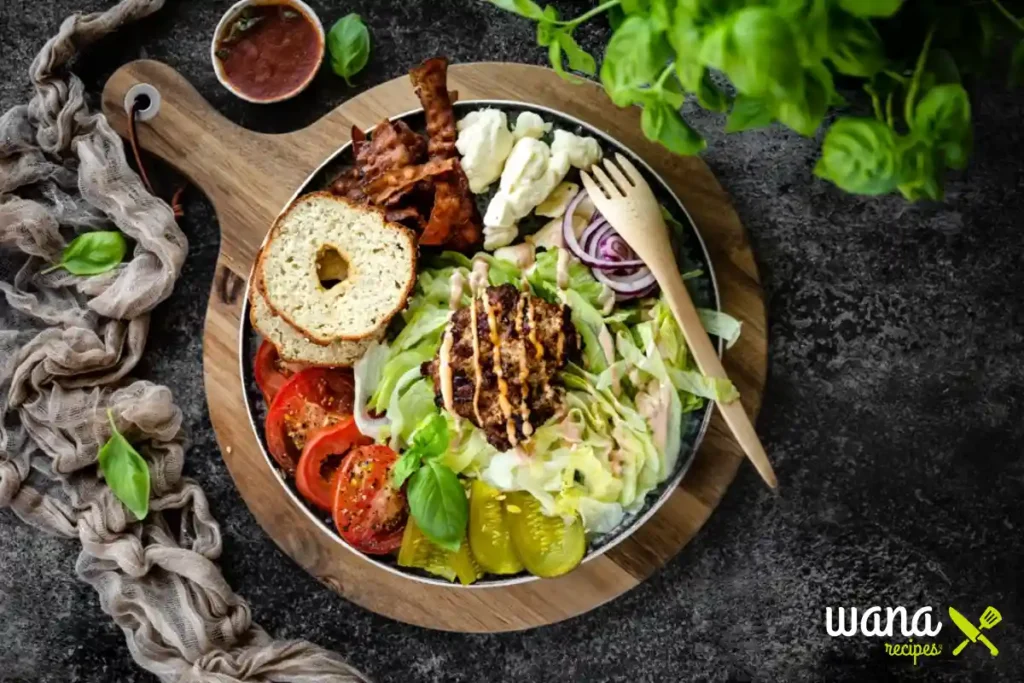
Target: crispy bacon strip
<point>454,220</point>
<point>402,180</point>
<point>350,186</point>
<point>411,216</point>
<point>392,146</point>
<point>430,80</point>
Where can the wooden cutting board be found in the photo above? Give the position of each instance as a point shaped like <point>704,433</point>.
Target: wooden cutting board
<point>249,177</point>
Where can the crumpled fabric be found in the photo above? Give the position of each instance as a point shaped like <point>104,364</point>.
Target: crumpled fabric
<point>62,172</point>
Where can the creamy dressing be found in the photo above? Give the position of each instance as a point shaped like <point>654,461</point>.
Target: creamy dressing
<point>654,408</point>
<point>524,369</point>
<point>476,362</point>
<point>503,402</point>
<point>478,276</point>
<point>456,288</point>
<point>562,268</point>
<point>444,371</point>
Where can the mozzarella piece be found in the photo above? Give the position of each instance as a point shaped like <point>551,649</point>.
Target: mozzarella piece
<point>581,152</point>
<point>530,125</point>
<point>484,143</point>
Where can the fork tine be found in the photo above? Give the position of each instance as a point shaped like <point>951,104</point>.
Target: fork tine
<point>630,169</point>
<point>589,184</point>
<point>620,179</point>
<point>606,183</point>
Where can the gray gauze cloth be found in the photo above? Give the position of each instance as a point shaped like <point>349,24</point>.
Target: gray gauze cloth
<point>62,172</point>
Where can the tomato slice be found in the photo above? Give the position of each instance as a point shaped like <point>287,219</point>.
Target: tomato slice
<point>321,459</point>
<point>270,371</point>
<point>547,546</point>
<point>369,512</point>
<point>489,537</point>
<point>312,399</point>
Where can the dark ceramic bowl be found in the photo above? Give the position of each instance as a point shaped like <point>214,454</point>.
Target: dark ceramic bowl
<point>691,254</point>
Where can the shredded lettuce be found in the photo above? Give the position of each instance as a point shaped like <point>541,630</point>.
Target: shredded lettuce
<point>425,324</point>
<point>469,451</point>
<point>398,365</point>
<point>543,279</point>
<point>621,429</point>
<point>721,325</point>
<point>367,373</point>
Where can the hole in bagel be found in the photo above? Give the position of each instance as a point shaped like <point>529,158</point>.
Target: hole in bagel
<point>331,266</point>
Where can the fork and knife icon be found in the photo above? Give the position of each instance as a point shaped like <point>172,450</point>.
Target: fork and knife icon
<point>989,618</point>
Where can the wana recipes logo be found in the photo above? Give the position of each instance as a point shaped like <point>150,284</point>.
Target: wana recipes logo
<point>874,622</point>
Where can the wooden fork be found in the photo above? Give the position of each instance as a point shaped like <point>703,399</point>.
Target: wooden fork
<point>625,199</point>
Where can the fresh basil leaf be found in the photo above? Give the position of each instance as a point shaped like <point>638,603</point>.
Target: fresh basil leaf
<point>805,114</point>
<point>546,28</point>
<point>93,253</point>
<point>438,503</point>
<point>749,113</point>
<point>555,57</point>
<point>405,467</point>
<point>919,172</point>
<point>710,96</point>
<point>810,22</point>
<point>125,472</point>
<point>871,8</point>
<point>349,44</point>
<point>943,117</point>
<point>856,47</point>
<point>634,57</point>
<point>579,59</point>
<point>860,156</point>
<point>754,47</point>
<point>672,93</point>
<point>661,14</point>
<point>524,8</point>
<point>635,6</point>
<point>431,436</point>
<point>615,17</point>
<point>663,124</point>
<point>1016,76</point>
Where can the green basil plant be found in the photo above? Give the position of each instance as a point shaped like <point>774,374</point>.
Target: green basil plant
<point>783,59</point>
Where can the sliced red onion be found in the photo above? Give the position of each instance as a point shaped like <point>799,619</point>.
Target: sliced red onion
<point>598,226</point>
<point>630,286</point>
<point>574,246</point>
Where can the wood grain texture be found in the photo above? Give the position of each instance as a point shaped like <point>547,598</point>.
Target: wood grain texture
<point>249,177</point>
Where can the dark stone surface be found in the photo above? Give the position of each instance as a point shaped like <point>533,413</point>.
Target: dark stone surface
<point>894,414</point>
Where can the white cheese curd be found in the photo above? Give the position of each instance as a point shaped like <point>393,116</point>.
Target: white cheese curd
<point>484,142</point>
<point>496,236</point>
<point>532,172</point>
<point>558,201</point>
<point>526,181</point>
<point>530,125</point>
<point>582,152</point>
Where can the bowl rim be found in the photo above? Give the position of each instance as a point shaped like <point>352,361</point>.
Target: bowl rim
<point>669,485</point>
<point>230,14</point>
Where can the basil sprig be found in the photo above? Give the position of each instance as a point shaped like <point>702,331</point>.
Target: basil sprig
<point>437,499</point>
<point>349,44</point>
<point>781,58</point>
<point>92,253</point>
<point>125,471</point>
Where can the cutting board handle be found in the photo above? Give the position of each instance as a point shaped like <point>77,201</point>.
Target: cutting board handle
<point>248,176</point>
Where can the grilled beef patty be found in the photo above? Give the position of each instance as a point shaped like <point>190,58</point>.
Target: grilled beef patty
<point>509,393</point>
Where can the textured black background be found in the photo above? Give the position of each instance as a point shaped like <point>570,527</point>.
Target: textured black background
<point>893,412</point>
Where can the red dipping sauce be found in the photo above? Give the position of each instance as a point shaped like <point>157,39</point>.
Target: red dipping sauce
<point>269,52</point>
